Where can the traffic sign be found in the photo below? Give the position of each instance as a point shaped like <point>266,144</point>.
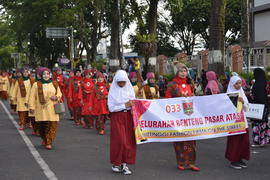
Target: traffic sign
<point>15,55</point>
<point>57,32</point>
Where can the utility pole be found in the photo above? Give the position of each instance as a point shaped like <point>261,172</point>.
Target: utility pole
<point>120,34</point>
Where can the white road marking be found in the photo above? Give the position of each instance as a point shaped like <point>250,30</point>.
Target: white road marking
<point>44,166</point>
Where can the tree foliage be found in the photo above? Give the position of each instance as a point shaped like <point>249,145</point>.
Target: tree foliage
<point>181,23</point>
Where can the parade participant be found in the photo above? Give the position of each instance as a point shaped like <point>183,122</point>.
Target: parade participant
<point>99,103</point>
<point>198,89</point>
<point>162,86</point>
<point>4,86</point>
<point>212,85</point>
<point>75,96</point>
<point>44,95</point>
<point>87,90</point>
<point>261,132</point>
<point>268,91</point>
<point>204,79</point>
<point>182,86</point>
<point>109,82</point>
<point>122,138</point>
<point>21,89</point>
<point>137,85</point>
<point>31,116</point>
<point>58,76</point>
<point>137,64</point>
<point>12,85</point>
<point>67,82</point>
<point>238,147</point>
<point>150,89</point>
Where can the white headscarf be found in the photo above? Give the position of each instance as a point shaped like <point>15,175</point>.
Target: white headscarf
<point>231,88</point>
<point>119,96</point>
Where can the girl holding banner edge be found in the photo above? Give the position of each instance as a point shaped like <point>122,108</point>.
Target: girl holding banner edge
<point>182,86</point>
<point>238,147</point>
<point>122,136</point>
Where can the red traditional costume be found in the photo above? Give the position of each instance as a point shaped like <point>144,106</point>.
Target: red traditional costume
<point>58,77</point>
<point>75,96</point>
<point>87,91</point>
<point>185,151</point>
<point>99,103</point>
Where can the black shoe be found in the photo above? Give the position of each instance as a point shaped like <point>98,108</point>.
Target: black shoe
<point>235,165</point>
<point>242,164</point>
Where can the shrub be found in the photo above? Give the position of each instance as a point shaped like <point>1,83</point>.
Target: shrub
<point>247,76</point>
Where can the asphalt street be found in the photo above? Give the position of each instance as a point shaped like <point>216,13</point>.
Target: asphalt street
<point>81,154</point>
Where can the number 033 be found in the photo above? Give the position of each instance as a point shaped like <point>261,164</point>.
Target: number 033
<point>171,108</point>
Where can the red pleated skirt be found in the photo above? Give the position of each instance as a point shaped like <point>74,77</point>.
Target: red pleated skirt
<point>122,139</point>
<point>238,147</point>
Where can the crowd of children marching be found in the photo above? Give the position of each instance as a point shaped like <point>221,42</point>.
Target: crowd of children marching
<point>92,97</point>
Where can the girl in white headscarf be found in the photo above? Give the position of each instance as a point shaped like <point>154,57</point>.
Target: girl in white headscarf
<point>122,139</point>
<point>238,147</point>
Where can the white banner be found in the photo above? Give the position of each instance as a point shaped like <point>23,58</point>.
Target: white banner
<point>185,119</point>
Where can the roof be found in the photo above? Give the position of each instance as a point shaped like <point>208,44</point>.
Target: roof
<point>262,8</point>
<point>261,44</point>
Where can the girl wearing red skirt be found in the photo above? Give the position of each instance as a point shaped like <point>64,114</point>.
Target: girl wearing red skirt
<point>238,147</point>
<point>87,90</point>
<point>99,103</point>
<point>122,138</point>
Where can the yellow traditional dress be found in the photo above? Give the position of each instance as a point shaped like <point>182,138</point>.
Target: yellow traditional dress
<point>31,116</point>
<point>12,102</point>
<point>138,91</point>
<point>4,87</point>
<point>21,99</point>
<point>150,92</point>
<point>45,114</point>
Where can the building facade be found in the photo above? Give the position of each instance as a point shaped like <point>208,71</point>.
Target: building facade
<point>260,42</point>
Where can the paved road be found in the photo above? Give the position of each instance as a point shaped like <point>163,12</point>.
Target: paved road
<point>81,154</point>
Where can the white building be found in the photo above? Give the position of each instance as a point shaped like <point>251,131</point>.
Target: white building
<point>260,52</point>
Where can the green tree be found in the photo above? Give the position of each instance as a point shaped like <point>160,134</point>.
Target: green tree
<point>189,23</point>
<point>7,45</point>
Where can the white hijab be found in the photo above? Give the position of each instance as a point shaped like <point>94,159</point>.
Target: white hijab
<point>117,95</point>
<point>232,89</point>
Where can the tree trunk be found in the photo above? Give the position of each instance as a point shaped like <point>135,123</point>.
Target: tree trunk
<point>88,50</point>
<point>216,46</point>
<point>115,30</point>
<point>152,29</point>
<point>31,50</point>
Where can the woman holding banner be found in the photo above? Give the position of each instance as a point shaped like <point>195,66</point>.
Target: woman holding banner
<point>182,86</point>
<point>261,132</point>
<point>122,138</point>
<point>238,147</point>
